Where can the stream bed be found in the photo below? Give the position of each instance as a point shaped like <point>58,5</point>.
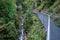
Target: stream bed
<point>22,30</point>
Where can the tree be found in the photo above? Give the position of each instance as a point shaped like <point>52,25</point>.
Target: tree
<point>8,17</point>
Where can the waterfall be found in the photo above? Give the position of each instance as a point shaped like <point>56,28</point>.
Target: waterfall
<point>21,36</point>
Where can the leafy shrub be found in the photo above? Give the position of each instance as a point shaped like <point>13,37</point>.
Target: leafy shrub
<point>28,21</point>
<point>8,17</point>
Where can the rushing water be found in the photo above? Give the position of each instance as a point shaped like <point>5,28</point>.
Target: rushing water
<point>21,36</point>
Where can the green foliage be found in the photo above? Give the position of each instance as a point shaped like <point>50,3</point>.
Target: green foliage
<point>2,20</point>
<point>8,9</point>
<point>32,23</point>
<point>10,27</point>
<point>57,22</point>
<point>28,4</point>
<point>9,32</point>
<point>9,18</point>
<point>28,20</point>
<point>36,33</point>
